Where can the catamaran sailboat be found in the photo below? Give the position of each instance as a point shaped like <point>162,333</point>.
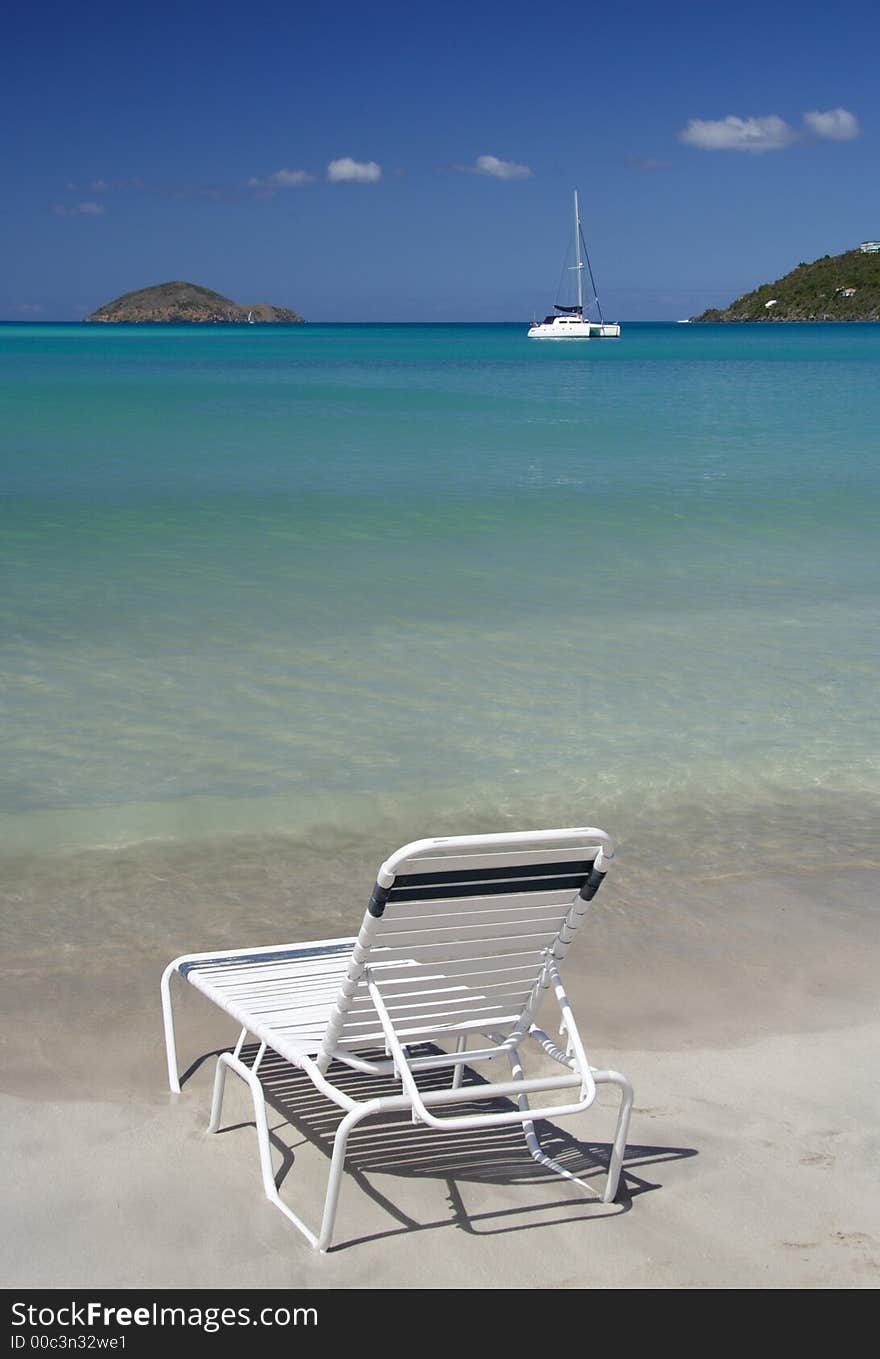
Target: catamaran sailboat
<point>570,323</point>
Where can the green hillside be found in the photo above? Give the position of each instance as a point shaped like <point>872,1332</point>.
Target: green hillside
<point>813,292</point>
<point>179,301</point>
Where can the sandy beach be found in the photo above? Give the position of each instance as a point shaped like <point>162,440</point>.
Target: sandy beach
<point>742,1008</point>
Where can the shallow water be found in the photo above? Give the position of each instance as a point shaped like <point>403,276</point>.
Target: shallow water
<point>354,584</point>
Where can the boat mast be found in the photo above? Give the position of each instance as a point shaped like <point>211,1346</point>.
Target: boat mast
<point>589,265</point>
<point>577,246</point>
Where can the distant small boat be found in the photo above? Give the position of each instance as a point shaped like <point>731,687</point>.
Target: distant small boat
<point>571,323</point>
<point>251,321</point>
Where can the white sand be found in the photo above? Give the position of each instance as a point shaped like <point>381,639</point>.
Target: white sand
<point>744,1013</point>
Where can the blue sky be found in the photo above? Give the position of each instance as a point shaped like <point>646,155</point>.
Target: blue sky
<point>415,162</point>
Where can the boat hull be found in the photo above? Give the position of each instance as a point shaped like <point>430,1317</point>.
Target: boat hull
<point>586,330</point>
<point>551,333</point>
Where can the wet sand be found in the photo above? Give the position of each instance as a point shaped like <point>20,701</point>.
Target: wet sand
<point>742,1008</point>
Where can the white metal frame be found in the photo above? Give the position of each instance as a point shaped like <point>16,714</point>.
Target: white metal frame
<point>385,998</point>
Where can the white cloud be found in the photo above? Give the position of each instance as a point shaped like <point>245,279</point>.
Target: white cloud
<point>738,134</point>
<point>283,179</point>
<point>360,171</point>
<point>837,125</point>
<point>78,209</point>
<point>498,169</point>
<point>292,179</point>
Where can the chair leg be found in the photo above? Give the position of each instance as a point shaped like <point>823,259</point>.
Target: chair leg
<point>618,1147</point>
<point>232,1062</point>
<point>217,1096</point>
<point>458,1073</point>
<point>168,1022</point>
<point>334,1182</point>
<point>220,1081</point>
<point>226,1059</point>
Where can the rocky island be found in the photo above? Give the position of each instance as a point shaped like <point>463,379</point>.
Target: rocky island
<point>178,301</point>
<point>834,288</point>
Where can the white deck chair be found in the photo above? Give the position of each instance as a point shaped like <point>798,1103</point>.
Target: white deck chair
<point>462,937</point>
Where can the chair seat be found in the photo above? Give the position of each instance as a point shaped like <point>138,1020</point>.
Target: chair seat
<point>284,996</point>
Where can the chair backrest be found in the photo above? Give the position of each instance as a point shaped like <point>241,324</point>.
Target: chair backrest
<point>458,931</point>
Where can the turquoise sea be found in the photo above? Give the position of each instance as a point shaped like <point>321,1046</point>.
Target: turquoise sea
<point>361,583</point>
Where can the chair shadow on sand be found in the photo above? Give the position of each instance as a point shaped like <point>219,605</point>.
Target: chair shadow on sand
<point>393,1145</point>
